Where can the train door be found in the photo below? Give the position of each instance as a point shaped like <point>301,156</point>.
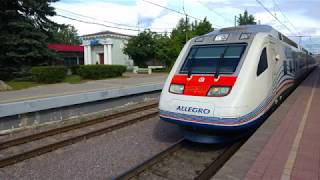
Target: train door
<point>274,62</point>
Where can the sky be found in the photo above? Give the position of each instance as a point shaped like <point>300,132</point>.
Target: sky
<point>297,17</point>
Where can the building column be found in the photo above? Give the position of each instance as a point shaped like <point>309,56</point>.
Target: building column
<point>89,55</point>
<point>109,54</point>
<point>105,54</point>
<point>85,55</point>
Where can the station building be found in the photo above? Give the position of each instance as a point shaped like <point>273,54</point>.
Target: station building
<point>71,55</point>
<point>106,48</point>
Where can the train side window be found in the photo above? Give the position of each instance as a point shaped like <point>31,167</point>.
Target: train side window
<point>263,62</point>
<point>285,67</point>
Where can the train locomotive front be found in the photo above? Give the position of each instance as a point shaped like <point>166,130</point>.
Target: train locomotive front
<point>223,83</point>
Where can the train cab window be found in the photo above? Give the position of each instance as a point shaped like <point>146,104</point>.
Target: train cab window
<point>263,62</point>
<point>213,59</point>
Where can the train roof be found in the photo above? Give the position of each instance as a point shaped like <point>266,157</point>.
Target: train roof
<point>255,29</point>
<point>247,28</point>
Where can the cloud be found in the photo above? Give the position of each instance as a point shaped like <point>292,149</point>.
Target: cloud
<point>303,16</point>
<point>149,10</point>
<point>105,12</point>
<point>98,10</point>
<point>166,23</point>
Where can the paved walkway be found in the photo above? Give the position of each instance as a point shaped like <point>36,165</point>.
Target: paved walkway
<point>61,89</point>
<point>287,145</point>
<point>293,152</point>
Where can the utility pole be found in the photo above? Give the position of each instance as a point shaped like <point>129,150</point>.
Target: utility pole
<point>235,21</point>
<point>138,24</point>
<point>186,28</point>
<point>186,23</point>
<point>300,38</point>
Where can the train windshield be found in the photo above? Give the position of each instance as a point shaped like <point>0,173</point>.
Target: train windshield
<point>213,59</point>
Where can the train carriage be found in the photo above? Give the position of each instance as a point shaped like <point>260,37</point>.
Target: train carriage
<point>224,83</point>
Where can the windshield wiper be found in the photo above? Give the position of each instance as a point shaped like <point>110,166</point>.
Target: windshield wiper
<point>190,71</point>
<point>191,63</point>
<point>217,73</point>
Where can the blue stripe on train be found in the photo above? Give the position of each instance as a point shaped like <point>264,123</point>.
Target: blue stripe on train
<point>226,123</point>
<point>199,125</point>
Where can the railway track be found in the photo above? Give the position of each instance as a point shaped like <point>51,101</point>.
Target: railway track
<point>26,147</point>
<point>184,160</point>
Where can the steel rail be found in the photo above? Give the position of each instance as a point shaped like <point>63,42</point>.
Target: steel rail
<point>52,132</point>
<point>206,173</point>
<point>62,143</point>
<point>214,167</point>
<point>150,162</point>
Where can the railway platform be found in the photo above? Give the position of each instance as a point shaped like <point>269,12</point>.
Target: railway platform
<point>59,102</point>
<point>287,145</point>
<point>63,94</point>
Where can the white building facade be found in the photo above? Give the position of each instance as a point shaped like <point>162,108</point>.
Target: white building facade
<point>106,48</point>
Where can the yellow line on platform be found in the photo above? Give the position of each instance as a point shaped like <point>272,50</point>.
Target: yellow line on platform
<point>286,173</point>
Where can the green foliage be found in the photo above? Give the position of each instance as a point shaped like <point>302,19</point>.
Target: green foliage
<point>246,19</point>
<point>160,70</point>
<point>73,79</point>
<point>24,30</point>
<point>49,74</point>
<point>148,45</point>
<point>75,70</point>
<point>183,32</point>
<point>203,27</point>
<point>141,48</point>
<point>166,49</point>
<point>64,34</point>
<point>101,71</point>
<point>17,85</point>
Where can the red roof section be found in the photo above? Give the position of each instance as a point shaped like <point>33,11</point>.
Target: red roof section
<point>66,48</point>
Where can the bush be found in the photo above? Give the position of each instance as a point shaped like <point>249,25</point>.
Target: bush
<point>101,71</point>
<point>5,75</point>
<point>24,79</point>
<point>160,70</point>
<point>49,74</point>
<point>75,70</point>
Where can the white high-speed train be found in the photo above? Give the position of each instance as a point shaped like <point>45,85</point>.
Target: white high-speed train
<point>224,83</point>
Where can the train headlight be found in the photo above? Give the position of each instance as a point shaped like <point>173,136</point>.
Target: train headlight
<point>221,37</point>
<point>217,91</point>
<point>176,88</point>
<point>199,39</point>
<point>245,36</point>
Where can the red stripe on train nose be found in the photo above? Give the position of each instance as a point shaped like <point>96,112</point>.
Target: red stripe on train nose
<point>199,85</point>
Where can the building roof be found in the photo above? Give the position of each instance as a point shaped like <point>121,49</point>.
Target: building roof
<point>107,33</point>
<point>66,48</point>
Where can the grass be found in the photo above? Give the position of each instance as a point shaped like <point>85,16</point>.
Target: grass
<point>17,85</point>
<point>73,79</point>
<point>24,84</point>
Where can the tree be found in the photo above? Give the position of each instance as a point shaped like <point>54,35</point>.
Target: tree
<point>64,34</point>
<point>141,48</point>
<point>23,33</point>
<point>203,27</point>
<point>148,45</point>
<point>182,32</point>
<point>166,49</point>
<point>246,19</point>
<point>185,31</point>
